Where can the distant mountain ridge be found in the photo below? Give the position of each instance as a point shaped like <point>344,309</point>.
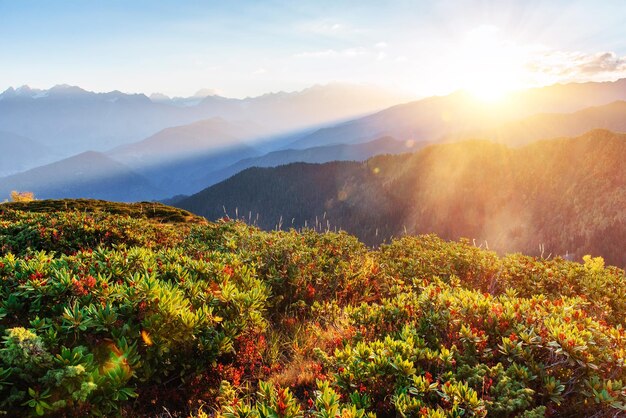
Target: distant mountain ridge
<point>18,153</point>
<point>611,116</point>
<point>188,175</point>
<point>566,194</point>
<point>75,120</point>
<point>219,166</point>
<point>340,152</point>
<point>178,142</point>
<point>177,159</point>
<point>183,101</point>
<point>460,114</point>
<point>87,175</point>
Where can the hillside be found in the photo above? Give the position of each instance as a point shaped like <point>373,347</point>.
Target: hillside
<point>302,193</point>
<point>566,195</point>
<point>611,116</point>
<point>18,153</point>
<point>110,309</point>
<point>177,159</point>
<point>340,152</point>
<point>179,142</point>
<point>87,175</point>
<point>461,115</point>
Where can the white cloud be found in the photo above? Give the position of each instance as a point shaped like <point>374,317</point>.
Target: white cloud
<point>316,54</point>
<point>325,53</point>
<point>327,27</point>
<point>354,52</point>
<point>483,31</point>
<point>259,71</point>
<point>578,66</point>
<point>381,45</point>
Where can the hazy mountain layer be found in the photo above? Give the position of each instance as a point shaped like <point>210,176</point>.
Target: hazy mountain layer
<point>177,159</point>
<point>187,175</point>
<point>18,153</point>
<point>87,175</point>
<point>73,120</point>
<point>165,177</point>
<point>436,118</point>
<point>341,152</point>
<point>185,141</point>
<point>611,116</point>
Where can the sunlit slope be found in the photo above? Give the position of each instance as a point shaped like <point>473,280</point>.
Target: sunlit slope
<point>566,195</point>
<point>463,115</point>
<point>70,225</point>
<point>611,116</point>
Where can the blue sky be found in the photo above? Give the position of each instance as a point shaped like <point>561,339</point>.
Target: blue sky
<point>242,48</point>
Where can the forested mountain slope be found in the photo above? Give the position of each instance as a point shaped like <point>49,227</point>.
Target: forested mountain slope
<point>567,195</point>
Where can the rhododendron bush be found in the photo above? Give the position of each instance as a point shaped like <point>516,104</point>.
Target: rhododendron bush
<point>137,310</point>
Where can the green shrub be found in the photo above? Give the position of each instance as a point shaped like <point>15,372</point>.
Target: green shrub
<point>111,309</point>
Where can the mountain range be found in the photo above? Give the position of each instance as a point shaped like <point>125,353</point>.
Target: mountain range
<point>182,159</point>
<point>461,115</point>
<point>71,120</point>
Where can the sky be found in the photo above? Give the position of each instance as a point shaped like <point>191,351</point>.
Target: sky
<point>248,48</point>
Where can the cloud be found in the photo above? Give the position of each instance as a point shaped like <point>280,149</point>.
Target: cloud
<point>327,27</point>
<point>259,71</point>
<point>577,65</point>
<point>483,31</point>
<point>354,52</point>
<point>603,62</point>
<point>381,45</point>
<point>325,53</point>
<point>317,54</point>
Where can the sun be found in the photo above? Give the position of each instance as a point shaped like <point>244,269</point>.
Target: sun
<point>488,66</point>
<point>487,91</point>
<point>489,87</point>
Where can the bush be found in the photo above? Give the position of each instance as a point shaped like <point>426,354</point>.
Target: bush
<point>22,196</point>
<point>119,310</point>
